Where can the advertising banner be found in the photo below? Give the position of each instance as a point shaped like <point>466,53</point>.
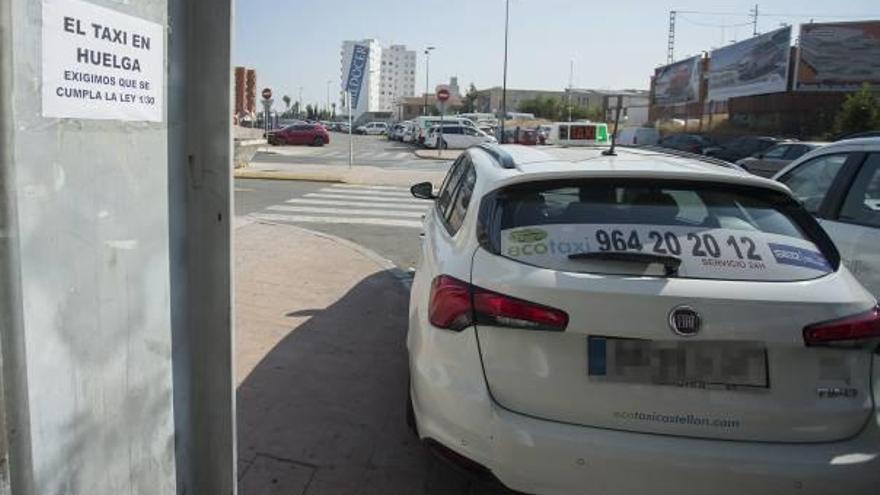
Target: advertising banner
<point>699,252</point>
<point>678,82</point>
<point>755,66</point>
<point>360,57</point>
<point>839,56</point>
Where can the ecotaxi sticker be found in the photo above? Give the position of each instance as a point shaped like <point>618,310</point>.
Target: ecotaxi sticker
<point>705,253</point>
<point>101,64</point>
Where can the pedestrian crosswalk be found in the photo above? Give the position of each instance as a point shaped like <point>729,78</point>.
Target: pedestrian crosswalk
<point>368,155</point>
<point>341,155</point>
<point>352,204</point>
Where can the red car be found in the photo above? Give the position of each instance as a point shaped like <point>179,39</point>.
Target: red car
<point>311,134</point>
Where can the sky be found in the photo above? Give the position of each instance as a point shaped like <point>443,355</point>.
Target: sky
<point>614,44</point>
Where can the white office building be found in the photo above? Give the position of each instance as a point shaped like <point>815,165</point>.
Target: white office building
<point>381,77</point>
<point>398,77</point>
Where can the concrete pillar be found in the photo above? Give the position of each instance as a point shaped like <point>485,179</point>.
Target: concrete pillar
<point>115,272</point>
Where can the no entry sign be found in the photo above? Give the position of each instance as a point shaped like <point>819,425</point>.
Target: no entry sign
<point>442,93</point>
<point>267,93</point>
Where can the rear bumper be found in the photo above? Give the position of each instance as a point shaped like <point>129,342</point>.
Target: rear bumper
<point>544,457</point>
<point>453,407</point>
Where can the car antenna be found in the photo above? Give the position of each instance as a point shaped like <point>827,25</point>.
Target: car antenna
<point>610,151</point>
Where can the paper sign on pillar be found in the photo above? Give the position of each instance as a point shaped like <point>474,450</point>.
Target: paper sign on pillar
<point>101,64</point>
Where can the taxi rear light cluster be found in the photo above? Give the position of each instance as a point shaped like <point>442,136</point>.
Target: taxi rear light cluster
<point>852,329</point>
<point>456,305</point>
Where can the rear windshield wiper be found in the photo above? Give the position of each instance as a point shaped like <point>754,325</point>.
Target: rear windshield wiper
<point>670,263</point>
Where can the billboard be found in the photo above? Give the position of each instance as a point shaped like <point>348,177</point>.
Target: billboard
<point>678,82</point>
<point>755,66</point>
<point>839,56</point>
<point>360,56</point>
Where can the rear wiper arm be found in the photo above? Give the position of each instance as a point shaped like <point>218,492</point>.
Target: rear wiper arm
<point>670,263</point>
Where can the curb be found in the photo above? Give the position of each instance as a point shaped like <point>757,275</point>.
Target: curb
<point>311,177</point>
<point>432,155</point>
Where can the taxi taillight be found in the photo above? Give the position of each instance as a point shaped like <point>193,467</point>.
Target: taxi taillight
<point>456,305</point>
<point>851,329</point>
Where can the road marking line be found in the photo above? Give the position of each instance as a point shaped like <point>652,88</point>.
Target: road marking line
<point>398,194</point>
<point>347,211</point>
<point>376,188</point>
<point>387,222</point>
<point>368,198</point>
<point>328,202</point>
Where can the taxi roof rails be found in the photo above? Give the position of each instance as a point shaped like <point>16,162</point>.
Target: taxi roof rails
<point>686,154</point>
<point>499,154</point>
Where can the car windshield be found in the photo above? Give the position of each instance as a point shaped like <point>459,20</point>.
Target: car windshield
<point>719,232</point>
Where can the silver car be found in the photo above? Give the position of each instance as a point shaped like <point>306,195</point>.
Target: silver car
<point>769,162</point>
<point>840,184</point>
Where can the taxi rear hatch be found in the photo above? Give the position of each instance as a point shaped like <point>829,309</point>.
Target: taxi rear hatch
<point>756,334</point>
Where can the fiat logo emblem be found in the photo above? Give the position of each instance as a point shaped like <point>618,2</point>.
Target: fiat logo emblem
<point>684,321</point>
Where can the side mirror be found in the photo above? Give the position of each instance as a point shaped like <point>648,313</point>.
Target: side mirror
<point>423,190</point>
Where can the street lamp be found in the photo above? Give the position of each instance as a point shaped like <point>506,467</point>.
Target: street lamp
<point>328,98</point>
<point>504,82</point>
<point>427,71</point>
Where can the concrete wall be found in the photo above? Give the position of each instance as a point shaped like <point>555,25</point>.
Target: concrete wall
<point>115,272</point>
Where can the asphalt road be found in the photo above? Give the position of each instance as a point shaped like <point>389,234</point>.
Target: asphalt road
<point>383,219</point>
<point>375,151</point>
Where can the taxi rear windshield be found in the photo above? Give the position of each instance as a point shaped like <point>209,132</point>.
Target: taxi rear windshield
<point>701,229</point>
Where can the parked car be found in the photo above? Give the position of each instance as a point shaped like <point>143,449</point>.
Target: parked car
<point>312,134</point>
<point>395,132</point>
<point>667,326</point>
<point>521,135</point>
<point>409,132</point>
<point>342,127</point>
<point>638,136</point>
<point>692,143</point>
<point>740,148</point>
<point>769,162</point>
<point>373,128</point>
<point>857,135</point>
<point>456,136</point>
<point>544,132</point>
<point>840,184</point>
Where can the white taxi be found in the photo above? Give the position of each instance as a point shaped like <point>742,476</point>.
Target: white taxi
<point>639,323</point>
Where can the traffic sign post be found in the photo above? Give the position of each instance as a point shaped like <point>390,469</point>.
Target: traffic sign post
<point>267,108</point>
<point>442,94</point>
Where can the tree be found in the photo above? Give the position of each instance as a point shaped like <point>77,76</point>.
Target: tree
<point>310,112</point>
<point>286,100</point>
<point>469,102</point>
<point>860,112</point>
<point>334,110</point>
<point>556,109</point>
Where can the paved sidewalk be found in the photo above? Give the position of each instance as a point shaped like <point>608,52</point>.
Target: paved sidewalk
<point>322,372</point>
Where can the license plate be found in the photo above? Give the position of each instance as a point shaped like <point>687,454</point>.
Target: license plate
<point>700,364</point>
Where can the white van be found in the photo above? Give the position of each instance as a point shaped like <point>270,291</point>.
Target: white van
<point>638,136</point>
<point>424,123</point>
